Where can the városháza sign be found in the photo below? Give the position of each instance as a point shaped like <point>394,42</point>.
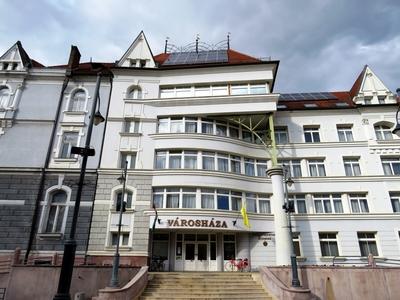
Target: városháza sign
<point>197,223</point>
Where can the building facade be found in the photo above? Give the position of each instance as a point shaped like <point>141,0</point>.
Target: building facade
<point>207,140</point>
<point>198,130</point>
<point>43,112</point>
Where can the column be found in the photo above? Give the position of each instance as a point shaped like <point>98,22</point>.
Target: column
<point>282,235</point>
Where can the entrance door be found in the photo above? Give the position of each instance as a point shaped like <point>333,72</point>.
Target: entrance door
<point>190,256</point>
<point>196,256</point>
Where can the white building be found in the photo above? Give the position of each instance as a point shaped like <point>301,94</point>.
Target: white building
<point>182,120</point>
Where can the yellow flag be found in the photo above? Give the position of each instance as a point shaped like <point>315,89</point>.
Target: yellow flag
<point>243,211</point>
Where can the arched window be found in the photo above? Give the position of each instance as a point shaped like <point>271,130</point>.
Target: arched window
<point>4,97</point>
<point>127,198</point>
<point>56,212</point>
<point>135,92</point>
<point>383,132</point>
<point>77,101</point>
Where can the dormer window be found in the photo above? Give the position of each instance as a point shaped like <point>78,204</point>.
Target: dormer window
<point>142,63</point>
<point>5,65</point>
<point>77,102</point>
<point>368,100</point>
<point>381,99</point>
<point>4,97</point>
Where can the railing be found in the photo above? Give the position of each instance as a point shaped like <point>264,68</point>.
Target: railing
<point>368,261</point>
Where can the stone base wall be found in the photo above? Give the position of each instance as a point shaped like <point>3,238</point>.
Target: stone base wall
<point>102,260</point>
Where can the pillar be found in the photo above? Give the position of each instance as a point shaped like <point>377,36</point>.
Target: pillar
<point>282,235</point>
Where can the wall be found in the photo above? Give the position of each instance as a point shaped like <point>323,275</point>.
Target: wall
<point>347,283</point>
<point>40,283</point>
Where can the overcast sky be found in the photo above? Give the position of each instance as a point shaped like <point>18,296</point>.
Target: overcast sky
<point>322,45</point>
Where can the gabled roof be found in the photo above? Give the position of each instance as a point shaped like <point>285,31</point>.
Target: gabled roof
<point>16,53</point>
<point>139,49</point>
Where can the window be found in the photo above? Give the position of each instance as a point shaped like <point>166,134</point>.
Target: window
<point>239,89</point>
<point>367,242</point>
<point>281,135</point>
<point>161,159</point>
<point>208,159</point>
<point>229,247</point>
<point>202,91</point>
<point>381,99</point>
<point>395,199</point>
<point>383,132</point>
<point>77,102</point>
<point>391,165</point>
<point>296,243</point>
<point>328,203</point>
<point>317,167</point>
<point>251,202</point>
<point>207,199</point>
<point>261,167</point>
<point>264,204</point>
<point>190,125</point>
<point>233,131</point>
<point>158,196</point>
<point>358,203</point>
<point>221,129</point>
<point>167,92</point>
<point>127,198</point>
<point>328,243</point>
<point>135,93</point>
<point>56,213</point>
<point>190,159</point>
<point>236,200</point>
<point>4,97</point>
<point>219,90</point>
<point>175,159</point>
<point>223,199</point>
<point>249,166</point>
<point>131,126</point>
<point>351,166</point>
<point>68,140</point>
<point>176,125</point>
<point>223,162</point>
<point>188,198</point>
<point>258,89</point>
<point>123,238</point>
<point>311,134</point>
<point>172,198</point>
<point>163,125</point>
<point>235,164</point>
<point>128,157</point>
<point>207,126</point>
<point>299,203</point>
<point>293,165</point>
<point>184,91</point>
<point>345,133</point>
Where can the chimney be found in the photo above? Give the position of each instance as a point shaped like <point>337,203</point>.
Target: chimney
<point>74,58</point>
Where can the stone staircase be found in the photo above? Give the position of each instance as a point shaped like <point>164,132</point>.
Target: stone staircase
<point>202,285</point>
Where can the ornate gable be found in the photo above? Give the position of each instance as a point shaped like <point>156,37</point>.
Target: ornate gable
<point>138,55</point>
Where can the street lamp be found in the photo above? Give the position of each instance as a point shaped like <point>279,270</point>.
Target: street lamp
<point>396,130</point>
<point>289,208</point>
<point>67,266</point>
<point>120,205</point>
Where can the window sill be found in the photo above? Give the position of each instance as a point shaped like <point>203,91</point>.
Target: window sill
<point>130,134</point>
<point>50,236</point>
<point>75,113</point>
<point>330,258</point>
<point>301,258</point>
<point>70,160</point>
<point>122,248</point>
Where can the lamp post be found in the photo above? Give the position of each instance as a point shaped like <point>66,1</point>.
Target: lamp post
<point>67,266</point>
<point>289,208</point>
<point>114,275</point>
<point>396,130</point>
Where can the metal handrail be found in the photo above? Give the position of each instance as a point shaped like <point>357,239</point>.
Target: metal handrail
<point>362,259</point>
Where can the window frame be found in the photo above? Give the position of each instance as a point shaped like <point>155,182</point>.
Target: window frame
<point>281,135</point>
<point>352,164</point>
<point>383,132</point>
<point>359,198</point>
<point>312,134</point>
<point>390,162</point>
<point>82,102</point>
<point>346,132</point>
<point>70,145</point>
<point>5,97</point>
<point>317,163</point>
<point>368,240</point>
<point>329,240</point>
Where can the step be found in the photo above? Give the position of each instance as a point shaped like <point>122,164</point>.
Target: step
<point>204,297</point>
<point>229,285</point>
<point>203,290</point>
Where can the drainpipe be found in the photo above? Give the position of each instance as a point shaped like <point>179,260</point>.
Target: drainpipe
<point>98,166</point>
<point>73,63</point>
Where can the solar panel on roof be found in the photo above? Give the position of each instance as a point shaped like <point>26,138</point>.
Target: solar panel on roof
<point>201,57</point>
<point>307,96</point>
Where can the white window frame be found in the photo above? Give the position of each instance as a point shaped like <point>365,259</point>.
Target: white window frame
<point>131,157</point>
<point>330,199</point>
<point>395,202</point>
<point>329,240</point>
<point>131,126</point>
<point>316,163</point>
<point>390,162</point>
<point>46,205</point>
<point>297,198</point>
<point>82,105</point>
<point>292,165</point>
<point>352,163</point>
<point>313,132</point>
<point>383,132</point>
<point>5,100</point>
<point>345,133</point>
<point>60,142</point>
<point>296,238</point>
<point>359,198</point>
<point>281,135</point>
<point>368,240</point>
<point>134,92</point>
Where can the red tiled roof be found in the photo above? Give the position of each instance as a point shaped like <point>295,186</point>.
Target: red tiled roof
<point>357,84</point>
<point>36,64</point>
